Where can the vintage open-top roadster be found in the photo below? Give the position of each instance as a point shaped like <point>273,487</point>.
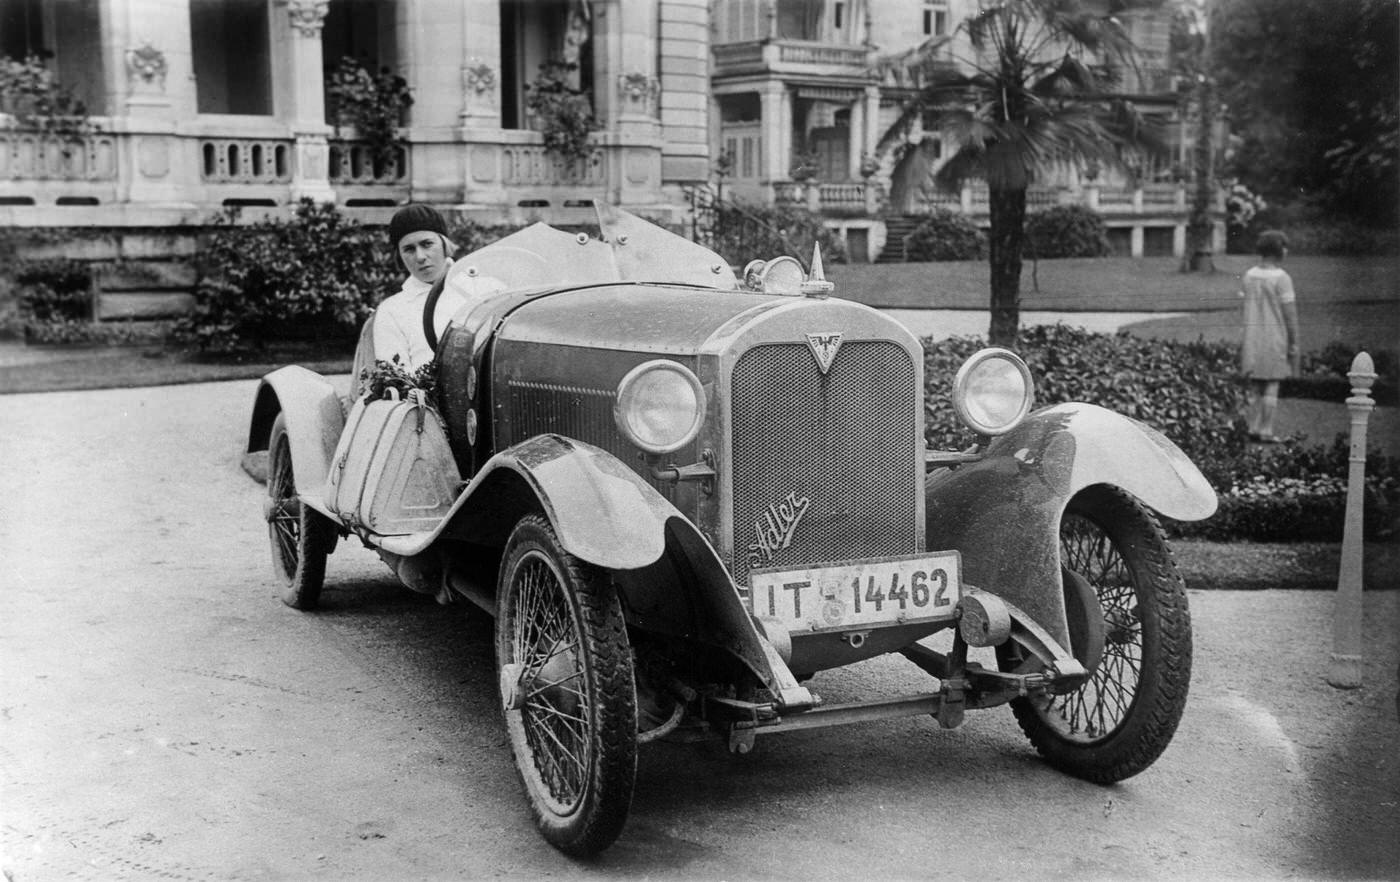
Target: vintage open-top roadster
<point>681,493</point>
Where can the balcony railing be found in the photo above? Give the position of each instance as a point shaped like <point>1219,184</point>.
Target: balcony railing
<point>738,55</point>
<point>532,165</point>
<point>245,161</point>
<point>789,54</point>
<point>793,52</point>
<point>356,162</point>
<point>44,156</point>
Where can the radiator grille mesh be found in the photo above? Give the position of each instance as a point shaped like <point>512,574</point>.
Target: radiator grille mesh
<point>843,441</point>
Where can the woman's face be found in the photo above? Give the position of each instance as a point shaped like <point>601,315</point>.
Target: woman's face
<point>424,256</point>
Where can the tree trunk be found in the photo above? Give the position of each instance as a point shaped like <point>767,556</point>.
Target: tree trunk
<point>1008,215</point>
<point>1198,226</point>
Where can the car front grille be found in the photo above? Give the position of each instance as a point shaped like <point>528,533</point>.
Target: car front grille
<point>826,466</point>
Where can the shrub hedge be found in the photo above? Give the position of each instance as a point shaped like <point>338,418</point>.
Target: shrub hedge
<point>747,232</point>
<point>947,235</point>
<point>1066,231</point>
<point>54,290</point>
<point>314,276</point>
<point>1192,394</point>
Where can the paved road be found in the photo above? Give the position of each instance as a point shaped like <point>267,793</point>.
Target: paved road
<point>163,716</point>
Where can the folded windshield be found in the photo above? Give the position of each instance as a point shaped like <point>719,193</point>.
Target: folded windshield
<point>630,250</point>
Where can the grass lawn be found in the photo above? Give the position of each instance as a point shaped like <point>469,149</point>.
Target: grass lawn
<point>53,369</point>
<point>1351,299</point>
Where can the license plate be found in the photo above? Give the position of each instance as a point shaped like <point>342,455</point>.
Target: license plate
<point>860,594</point>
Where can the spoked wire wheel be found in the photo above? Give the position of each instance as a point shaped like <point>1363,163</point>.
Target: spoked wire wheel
<point>567,690</point>
<point>300,536</point>
<point>1130,626</point>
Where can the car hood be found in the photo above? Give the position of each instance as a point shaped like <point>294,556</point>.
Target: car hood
<point>649,318</point>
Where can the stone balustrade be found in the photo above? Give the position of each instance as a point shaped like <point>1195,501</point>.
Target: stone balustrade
<point>52,156</point>
<point>245,160</point>
<point>530,165</point>
<point>355,162</point>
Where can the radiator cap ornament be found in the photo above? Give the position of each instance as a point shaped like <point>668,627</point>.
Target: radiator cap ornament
<point>816,284</point>
<point>824,347</point>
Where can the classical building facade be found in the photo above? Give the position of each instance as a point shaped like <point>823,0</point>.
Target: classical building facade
<point>199,104</point>
<point>196,105</point>
<point>799,105</point>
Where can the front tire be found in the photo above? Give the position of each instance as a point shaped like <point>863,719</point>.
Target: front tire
<point>567,689</point>
<point>300,536</point>
<point>1121,719</point>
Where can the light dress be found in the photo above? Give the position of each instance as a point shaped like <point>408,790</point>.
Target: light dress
<point>1264,355</point>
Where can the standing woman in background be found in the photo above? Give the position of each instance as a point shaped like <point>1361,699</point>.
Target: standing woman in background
<point>1270,350</point>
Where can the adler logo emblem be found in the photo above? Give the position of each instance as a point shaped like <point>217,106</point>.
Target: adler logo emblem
<point>824,348</point>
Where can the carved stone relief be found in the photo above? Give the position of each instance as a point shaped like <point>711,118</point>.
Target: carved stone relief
<point>638,90</point>
<point>146,65</point>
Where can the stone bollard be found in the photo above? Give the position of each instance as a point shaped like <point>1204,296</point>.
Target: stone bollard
<point>1345,670</point>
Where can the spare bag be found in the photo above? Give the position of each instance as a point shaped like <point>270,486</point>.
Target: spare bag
<point>393,471</point>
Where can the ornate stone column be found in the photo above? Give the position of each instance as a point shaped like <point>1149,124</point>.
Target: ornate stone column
<point>481,68</point>
<point>149,84</point>
<point>306,91</point>
<point>633,72</point>
<point>773,100</point>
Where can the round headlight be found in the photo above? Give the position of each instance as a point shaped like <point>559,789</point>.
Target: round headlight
<point>992,392</point>
<point>783,275</point>
<point>660,406</point>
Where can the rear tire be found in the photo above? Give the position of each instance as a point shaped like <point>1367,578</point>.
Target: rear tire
<point>567,688</point>
<point>1121,719</point>
<point>300,536</point>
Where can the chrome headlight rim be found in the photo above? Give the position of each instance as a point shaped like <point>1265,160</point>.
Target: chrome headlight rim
<point>965,375</point>
<point>621,413</point>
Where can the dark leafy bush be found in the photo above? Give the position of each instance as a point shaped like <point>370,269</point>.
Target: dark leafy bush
<point>564,114</point>
<point>1297,492</point>
<point>946,235</point>
<point>1341,238</point>
<point>1313,230</point>
<point>1066,231</point>
<point>746,232</point>
<point>1324,375</point>
<point>1188,391</point>
<point>373,103</point>
<point>54,290</point>
<point>316,275</point>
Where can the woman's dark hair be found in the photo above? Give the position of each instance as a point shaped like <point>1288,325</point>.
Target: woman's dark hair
<point>1271,244</point>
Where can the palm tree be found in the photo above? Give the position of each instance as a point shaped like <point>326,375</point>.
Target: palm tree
<point>1036,97</point>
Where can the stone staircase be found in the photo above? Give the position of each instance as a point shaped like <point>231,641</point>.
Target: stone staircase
<point>897,226</point>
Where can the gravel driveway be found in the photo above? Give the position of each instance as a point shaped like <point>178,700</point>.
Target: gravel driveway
<point>163,716</point>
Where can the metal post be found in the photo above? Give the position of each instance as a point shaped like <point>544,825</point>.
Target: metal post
<point>1345,670</point>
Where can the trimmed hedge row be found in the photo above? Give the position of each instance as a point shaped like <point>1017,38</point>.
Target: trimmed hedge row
<point>1192,393</point>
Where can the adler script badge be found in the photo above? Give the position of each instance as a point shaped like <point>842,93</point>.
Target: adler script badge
<point>824,348</point>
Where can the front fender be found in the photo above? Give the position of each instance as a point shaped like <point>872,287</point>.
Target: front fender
<point>314,421</point>
<point>1003,512</point>
<point>606,514</point>
<point>602,512</point>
